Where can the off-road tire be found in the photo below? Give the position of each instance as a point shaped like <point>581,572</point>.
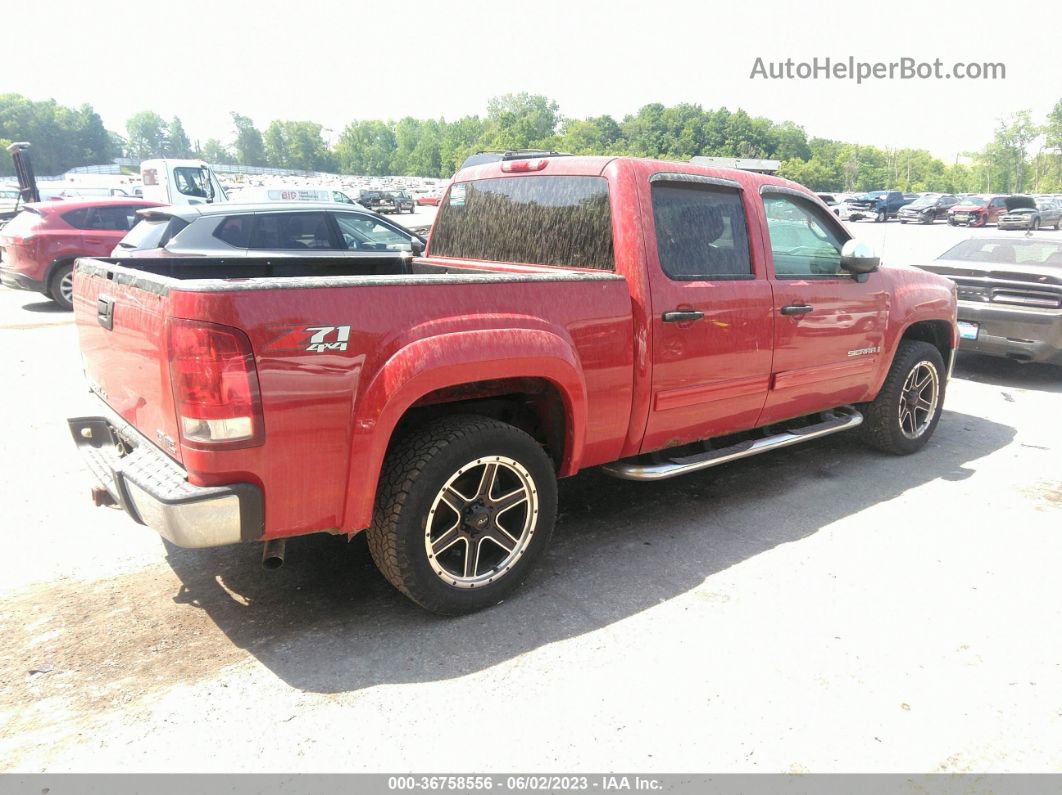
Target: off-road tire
<point>55,285</point>
<point>881,418</point>
<point>415,471</point>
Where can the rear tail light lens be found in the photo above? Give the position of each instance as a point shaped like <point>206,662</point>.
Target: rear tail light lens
<point>215,385</point>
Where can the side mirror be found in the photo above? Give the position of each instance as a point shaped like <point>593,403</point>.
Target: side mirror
<point>416,246</point>
<point>858,257</point>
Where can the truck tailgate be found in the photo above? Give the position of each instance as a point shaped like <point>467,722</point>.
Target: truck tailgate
<point>122,332</point>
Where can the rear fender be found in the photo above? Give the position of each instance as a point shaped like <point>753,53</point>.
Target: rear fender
<point>449,360</point>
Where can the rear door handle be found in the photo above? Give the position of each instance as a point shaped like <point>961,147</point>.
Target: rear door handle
<point>796,309</point>
<point>682,316</point>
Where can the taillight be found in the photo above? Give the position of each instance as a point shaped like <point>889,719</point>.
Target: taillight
<point>215,385</point>
<point>535,164</point>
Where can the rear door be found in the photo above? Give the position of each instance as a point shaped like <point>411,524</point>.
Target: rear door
<point>303,234</point>
<point>104,227</point>
<point>712,311</point>
<point>828,326</point>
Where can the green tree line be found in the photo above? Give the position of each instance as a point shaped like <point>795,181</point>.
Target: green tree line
<point>1025,155</point>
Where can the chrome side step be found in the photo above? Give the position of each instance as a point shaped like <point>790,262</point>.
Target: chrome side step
<point>839,419</point>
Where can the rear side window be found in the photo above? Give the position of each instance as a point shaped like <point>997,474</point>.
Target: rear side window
<point>292,231</point>
<point>537,220</point>
<point>235,230</point>
<point>117,218</point>
<point>701,233</point>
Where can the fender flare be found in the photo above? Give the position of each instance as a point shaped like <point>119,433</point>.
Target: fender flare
<point>431,363</point>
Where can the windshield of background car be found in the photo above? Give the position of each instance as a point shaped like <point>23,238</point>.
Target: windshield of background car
<point>1018,250</point>
<point>536,220</point>
<point>925,201</point>
<point>974,201</point>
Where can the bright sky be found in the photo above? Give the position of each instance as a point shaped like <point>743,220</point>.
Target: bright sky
<point>332,62</point>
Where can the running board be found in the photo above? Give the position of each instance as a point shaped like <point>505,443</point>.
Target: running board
<point>839,419</point>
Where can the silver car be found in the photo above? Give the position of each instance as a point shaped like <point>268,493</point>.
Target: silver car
<point>266,229</point>
<point>1045,214</point>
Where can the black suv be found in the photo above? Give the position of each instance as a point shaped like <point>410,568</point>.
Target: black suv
<point>928,208</point>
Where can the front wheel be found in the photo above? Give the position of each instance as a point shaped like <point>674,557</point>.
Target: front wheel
<point>466,505</point>
<point>881,217</point>
<point>1035,224</point>
<point>905,413</point>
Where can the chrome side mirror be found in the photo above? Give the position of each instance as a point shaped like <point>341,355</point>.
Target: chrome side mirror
<point>859,257</point>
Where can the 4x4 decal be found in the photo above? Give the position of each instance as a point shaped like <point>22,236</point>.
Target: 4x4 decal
<point>316,339</point>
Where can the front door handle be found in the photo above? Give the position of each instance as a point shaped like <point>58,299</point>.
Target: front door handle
<point>796,309</point>
<point>682,316</point>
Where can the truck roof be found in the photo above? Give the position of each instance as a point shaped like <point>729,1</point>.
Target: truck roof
<point>579,165</point>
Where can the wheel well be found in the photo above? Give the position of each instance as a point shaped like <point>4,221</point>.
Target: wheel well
<point>531,404</point>
<point>936,332</point>
<point>56,264</point>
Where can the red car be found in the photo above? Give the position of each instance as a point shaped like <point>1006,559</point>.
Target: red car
<point>652,318</point>
<point>39,245</point>
<point>429,199</point>
<point>977,211</point>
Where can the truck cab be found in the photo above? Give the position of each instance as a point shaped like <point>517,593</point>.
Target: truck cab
<point>170,181</point>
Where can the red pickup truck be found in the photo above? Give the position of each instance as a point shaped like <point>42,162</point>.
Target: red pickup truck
<point>652,318</point>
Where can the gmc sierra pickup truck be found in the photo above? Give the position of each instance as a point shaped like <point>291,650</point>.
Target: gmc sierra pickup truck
<point>651,318</point>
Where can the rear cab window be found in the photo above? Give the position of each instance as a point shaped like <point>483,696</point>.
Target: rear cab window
<point>555,221</point>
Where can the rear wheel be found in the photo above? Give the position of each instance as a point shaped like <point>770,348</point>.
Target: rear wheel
<point>61,286</point>
<point>466,506</point>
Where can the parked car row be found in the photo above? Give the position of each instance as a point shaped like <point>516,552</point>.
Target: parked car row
<point>1007,211</point>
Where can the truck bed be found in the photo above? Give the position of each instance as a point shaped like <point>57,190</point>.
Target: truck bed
<point>401,330</point>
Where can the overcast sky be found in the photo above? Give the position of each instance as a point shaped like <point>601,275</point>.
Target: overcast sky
<point>332,62</point>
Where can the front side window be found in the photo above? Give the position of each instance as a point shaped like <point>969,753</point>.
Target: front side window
<point>190,182</point>
<point>535,220</point>
<point>364,233</point>
<point>338,196</point>
<point>803,243</point>
<point>292,231</point>
<point>700,233</point>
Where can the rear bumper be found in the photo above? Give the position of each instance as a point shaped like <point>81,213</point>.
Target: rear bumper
<point>1024,335</point>
<point>20,281</point>
<point>154,490</point>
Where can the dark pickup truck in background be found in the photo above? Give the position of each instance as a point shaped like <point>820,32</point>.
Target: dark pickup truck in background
<point>652,318</point>
<point>880,205</point>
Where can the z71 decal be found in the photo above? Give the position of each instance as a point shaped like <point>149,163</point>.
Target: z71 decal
<point>316,339</point>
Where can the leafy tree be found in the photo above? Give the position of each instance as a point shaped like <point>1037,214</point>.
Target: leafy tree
<point>248,147</point>
<point>298,145</point>
<point>213,151</point>
<point>177,143</point>
<point>147,135</point>
<point>521,121</point>
<point>366,147</point>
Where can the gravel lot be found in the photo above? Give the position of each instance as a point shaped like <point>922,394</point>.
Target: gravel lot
<point>822,608</point>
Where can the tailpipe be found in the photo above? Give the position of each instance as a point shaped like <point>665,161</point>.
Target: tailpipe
<point>273,553</point>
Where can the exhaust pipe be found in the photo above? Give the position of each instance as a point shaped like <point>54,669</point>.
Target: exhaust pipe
<point>273,553</point>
